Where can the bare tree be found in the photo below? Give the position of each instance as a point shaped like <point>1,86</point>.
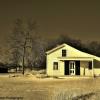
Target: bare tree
<point>15,43</point>
<point>21,40</point>
<point>26,46</point>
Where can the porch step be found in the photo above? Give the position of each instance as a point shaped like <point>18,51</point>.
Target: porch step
<point>74,77</point>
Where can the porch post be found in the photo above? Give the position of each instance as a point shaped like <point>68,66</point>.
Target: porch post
<point>92,68</point>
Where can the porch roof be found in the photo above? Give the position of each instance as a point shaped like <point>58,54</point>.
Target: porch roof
<point>76,58</point>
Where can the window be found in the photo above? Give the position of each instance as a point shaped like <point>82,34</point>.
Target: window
<point>63,53</point>
<point>90,65</point>
<point>72,64</point>
<point>55,66</point>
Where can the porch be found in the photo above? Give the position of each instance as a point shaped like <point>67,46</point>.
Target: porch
<point>77,66</point>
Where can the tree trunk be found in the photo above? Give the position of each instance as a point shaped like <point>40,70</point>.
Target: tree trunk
<point>23,60</point>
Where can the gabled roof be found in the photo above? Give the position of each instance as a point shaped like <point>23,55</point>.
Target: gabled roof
<point>63,45</point>
<point>56,48</point>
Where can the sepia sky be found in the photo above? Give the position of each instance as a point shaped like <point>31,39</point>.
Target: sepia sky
<point>79,19</point>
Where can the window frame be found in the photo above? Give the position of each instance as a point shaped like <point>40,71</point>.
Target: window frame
<point>55,65</point>
<point>90,65</point>
<point>64,52</point>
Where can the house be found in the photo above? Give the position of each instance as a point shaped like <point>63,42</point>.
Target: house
<point>67,60</point>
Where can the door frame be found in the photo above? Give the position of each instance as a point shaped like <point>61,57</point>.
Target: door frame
<point>72,68</point>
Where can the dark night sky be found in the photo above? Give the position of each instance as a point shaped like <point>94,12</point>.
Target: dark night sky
<point>79,19</point>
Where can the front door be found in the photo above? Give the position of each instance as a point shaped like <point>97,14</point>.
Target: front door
<point>72,67</point>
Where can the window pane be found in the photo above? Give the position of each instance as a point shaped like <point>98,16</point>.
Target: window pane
<point>90,65</point>
<point>55,66</point>
<point>63,53</point>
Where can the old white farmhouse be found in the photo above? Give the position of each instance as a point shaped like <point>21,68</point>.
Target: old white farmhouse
<point>66,60</point>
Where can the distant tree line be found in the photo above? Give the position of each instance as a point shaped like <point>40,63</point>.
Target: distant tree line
<point>28,49</point>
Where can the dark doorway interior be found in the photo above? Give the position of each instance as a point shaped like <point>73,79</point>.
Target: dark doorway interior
<point>66,64</point>
<point>77,65</point>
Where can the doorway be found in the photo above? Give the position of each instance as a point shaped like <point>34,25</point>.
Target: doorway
<point>72,67</point>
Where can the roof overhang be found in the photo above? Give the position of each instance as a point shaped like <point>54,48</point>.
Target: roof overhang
<point>76,58</point>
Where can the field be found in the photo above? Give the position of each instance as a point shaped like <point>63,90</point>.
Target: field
<point>32,88</point>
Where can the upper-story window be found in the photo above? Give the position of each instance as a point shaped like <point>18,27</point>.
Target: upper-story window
<point>63,53</point>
